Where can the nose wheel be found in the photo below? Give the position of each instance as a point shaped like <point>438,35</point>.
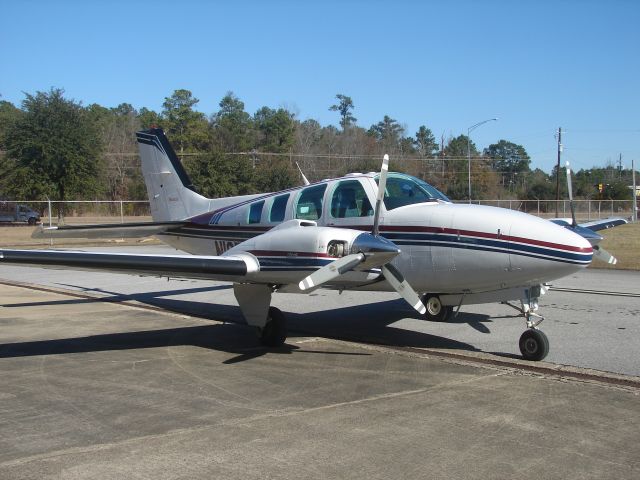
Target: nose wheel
<point>534,345</point>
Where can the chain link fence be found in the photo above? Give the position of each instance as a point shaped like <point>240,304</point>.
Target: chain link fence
<point>88,211</point>
<point>121,211</point>
<point>585,209</point>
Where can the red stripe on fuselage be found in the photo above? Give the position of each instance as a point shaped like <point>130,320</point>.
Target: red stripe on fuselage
<point>276,253</point>
<point>493,236</point>
<point>414,229</point>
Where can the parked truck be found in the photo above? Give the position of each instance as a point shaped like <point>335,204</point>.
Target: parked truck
<point>14,212</point>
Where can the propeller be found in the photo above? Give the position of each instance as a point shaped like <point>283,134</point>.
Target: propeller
<point>400,285</point>
<point>604,256</point>
<point>382,185</point>
<point>598,252</point>
<point>332,271</point>
<point>569,187</point>
<point>370,250</point>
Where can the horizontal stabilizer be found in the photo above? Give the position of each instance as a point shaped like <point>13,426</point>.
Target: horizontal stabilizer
<point>111,230</point>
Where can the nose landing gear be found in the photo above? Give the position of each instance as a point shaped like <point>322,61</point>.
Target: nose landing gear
<point>534,344</point>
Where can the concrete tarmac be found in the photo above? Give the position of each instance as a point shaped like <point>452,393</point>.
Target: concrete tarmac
<point>107,391</point>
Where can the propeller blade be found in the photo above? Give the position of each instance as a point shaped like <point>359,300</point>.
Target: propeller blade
<point>382,185</point>
<point>397,281</point>
<point>331,271</point>
<point>570,189</point>
<point>604,256</point>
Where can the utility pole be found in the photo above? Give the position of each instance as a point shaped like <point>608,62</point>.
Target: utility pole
<point>620,166</point>
<point>635,194</point>
<point>558,170</point>
<point>442,154</point>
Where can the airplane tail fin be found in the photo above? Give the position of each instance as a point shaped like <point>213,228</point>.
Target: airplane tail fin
<point>171,194</point>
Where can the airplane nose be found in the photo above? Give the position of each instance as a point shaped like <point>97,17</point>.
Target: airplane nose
<point>545,250</point>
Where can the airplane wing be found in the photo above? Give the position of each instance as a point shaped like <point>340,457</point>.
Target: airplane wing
<point>225,268</point>
<point>604,223</point>
<point>593,225</point>
<point>110,230</point>
<point>588,230</point>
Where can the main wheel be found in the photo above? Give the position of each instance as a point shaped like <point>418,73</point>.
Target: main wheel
<point>274,332</point>
<point>534,345</point>
<point>436,312</point>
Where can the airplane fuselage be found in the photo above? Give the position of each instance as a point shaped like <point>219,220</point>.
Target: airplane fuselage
<point>446,247</point>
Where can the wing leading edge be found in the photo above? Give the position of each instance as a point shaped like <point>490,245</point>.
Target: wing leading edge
<point>231,268</point>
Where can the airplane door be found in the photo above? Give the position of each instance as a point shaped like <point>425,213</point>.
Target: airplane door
<point>349,204</point>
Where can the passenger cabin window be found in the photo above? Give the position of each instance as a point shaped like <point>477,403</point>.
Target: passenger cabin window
<point>255,212</point>
<point>278,208</point>
<point>309,205</point>
<point>402,190</point>
<point>350,200</point>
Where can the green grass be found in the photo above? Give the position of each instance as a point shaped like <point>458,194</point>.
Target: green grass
<point>622,242</point>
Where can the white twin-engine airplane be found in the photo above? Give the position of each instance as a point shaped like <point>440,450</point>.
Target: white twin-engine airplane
<point>373,232</point>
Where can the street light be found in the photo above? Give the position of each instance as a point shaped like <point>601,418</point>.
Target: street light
<point>469,130</point>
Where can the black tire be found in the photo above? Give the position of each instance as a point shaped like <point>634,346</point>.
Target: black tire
<point>436,312</point>
<point>31,221</point>
<point>534,345</point>
<point>274,332</point>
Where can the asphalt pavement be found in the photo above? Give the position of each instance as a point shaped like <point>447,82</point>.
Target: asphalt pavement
<point>599,330</point>
<point>104,390</point>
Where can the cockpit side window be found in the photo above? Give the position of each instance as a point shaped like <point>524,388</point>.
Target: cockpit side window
<point>350,200</point>
<point>404,190</point>
<point>309,204</point>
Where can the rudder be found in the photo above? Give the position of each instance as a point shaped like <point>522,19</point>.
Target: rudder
<point>171,193</point>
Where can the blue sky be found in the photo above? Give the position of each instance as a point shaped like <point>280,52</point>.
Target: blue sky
<point>536,65</point>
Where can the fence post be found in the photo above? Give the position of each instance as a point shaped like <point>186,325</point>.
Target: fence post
<point>538,207</point>
<point>121,213</point>
<point>589,217</point>
<point>51,237</point>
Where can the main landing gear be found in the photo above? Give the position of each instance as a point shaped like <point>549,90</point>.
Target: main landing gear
<point>436,311</point>
<point>270,323</point>
<point>274,333</point>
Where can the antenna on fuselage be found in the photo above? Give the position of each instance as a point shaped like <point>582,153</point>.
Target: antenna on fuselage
<point>304,179</point>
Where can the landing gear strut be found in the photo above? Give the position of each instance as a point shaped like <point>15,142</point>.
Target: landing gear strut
<point>254,301</point>
<point>436,311</point>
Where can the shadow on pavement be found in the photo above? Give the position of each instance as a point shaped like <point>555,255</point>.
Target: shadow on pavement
<point>369,323</point>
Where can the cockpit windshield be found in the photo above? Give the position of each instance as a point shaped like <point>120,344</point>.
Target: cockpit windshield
<point>402,190</point>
